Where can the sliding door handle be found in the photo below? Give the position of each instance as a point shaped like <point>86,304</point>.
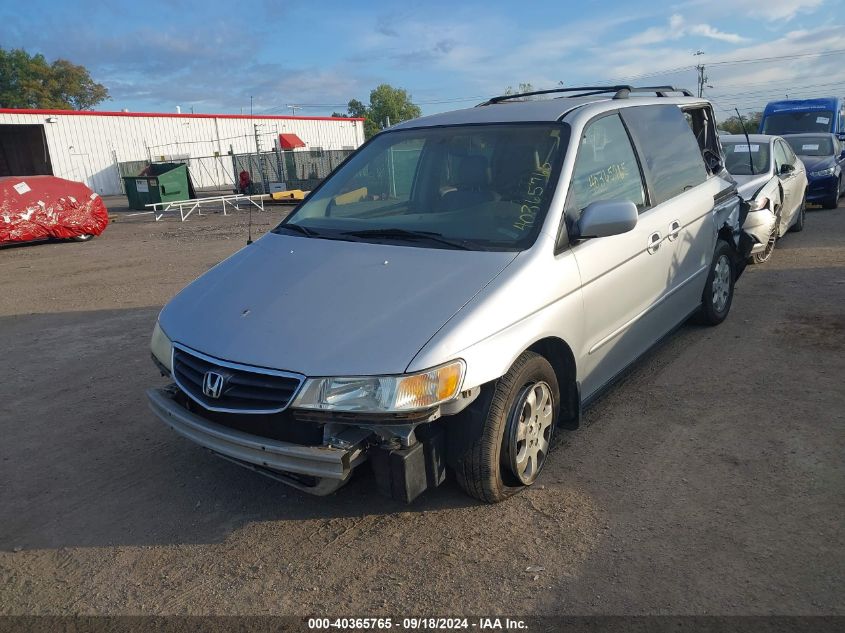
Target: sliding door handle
<point>654,241</point>
<point>674,230</point>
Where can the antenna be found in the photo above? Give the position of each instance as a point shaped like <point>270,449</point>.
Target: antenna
<point>249,225</point>
<point>747,141</point>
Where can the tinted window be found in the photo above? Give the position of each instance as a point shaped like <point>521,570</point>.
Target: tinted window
<point>605,169</point>
<point>671,153</point>
<point>739,156</point>
<point>811,145</point>
<point>798,122</point>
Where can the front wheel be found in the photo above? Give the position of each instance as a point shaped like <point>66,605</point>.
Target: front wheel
<point>799,219</point>
<point>719,288</point>
<point>766,254</point>
<point>832,201</point>
<point>511,448</point>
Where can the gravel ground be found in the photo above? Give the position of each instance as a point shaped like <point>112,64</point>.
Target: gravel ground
<point>708,482</point>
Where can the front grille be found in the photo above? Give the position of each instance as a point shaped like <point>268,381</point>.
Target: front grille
<point>244,389</point>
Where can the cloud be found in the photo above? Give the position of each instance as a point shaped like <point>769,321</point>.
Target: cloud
<point>678,28</point>
<point>768,10</point>
<point>705,30</point>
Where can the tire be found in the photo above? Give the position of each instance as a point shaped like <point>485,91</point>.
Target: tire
<point>799,219</point>
<point>718,292</point>
<point>82,238</point>
<point>485,469</point>
<point>831,203</point>
<point>766,255</point>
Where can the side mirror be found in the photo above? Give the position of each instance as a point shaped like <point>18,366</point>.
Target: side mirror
<point>604,218</point>
<point>786,168</point>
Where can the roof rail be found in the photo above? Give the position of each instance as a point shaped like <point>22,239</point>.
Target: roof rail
<point>620,91</point>
<point>660,91</point>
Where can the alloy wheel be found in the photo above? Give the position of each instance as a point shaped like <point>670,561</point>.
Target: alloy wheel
<point>721,283</point>
<point>530,429</point>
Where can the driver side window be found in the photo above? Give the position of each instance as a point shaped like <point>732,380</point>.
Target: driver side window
<point>606,168</point>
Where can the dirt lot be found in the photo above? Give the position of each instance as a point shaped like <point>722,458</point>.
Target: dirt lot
<point>710,481</point>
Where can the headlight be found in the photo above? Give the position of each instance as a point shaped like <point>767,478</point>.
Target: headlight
<point>757,205</point>
<point>161,347</point>
<point>824,172</point>
<point>383,394</point>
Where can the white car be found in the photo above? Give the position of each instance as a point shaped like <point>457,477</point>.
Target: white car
<point>774,181</point>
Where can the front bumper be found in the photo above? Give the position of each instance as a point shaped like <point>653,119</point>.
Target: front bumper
<point>329,466</point>
<point>819,189</point>
<point>760,225</point>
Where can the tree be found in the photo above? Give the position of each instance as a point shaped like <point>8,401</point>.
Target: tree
<point>732,124</point>
<point>29,81</point>
<point>387,104</point>
<point>523,87</point>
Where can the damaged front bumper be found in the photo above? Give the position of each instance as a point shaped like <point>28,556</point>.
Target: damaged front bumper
<point>759,224</point>
<point>318,470</point>
<point>407,460</point>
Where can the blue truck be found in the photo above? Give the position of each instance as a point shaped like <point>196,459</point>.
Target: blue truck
<point>803,116</point>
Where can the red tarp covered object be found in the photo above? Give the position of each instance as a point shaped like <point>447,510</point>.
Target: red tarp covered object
<point>38,207</point>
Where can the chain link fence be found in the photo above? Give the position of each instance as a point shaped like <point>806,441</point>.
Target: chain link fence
<point>267,170</point>
<point>295,169</point>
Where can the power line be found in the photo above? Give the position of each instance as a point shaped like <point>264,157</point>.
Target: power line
<point>779,89</point>
<point>808,94</point>
<point>758,60</point>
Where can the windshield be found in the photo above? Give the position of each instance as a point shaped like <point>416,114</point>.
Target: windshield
<point>740,155</point>
<point>811,145</point>
<point>480,187</point>
<point>798,122</point>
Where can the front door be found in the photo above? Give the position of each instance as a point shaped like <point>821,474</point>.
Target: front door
<point>789,181</point>
<point>622,276</point>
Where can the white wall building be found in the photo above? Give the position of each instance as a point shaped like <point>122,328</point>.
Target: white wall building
<point>87,146</point>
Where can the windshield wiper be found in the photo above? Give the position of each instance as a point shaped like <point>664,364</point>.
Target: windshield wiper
<point>298,228</point>
<point>414,236</point>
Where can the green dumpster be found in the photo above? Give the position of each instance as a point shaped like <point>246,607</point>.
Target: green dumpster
<point>159,182</point>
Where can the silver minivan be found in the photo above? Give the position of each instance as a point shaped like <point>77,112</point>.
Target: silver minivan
<point>457,290</point>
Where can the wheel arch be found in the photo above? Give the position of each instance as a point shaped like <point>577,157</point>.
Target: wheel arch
<point>561,358</point>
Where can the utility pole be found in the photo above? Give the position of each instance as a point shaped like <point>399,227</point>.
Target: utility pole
<point>294,107</point>
<point>702,78</point>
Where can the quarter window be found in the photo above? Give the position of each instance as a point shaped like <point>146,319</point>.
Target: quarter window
<point>606,168</point>
<point>670,150</point>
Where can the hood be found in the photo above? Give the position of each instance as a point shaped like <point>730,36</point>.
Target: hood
<point>748,186</point>
<point>327,307</point>
<point>817,163</point>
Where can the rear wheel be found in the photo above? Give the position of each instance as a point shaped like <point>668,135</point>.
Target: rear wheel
<point>511,448</point>
<point>719,288</point>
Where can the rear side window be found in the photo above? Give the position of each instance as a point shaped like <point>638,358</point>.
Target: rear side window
<point>606,168</point>
<point>671,153</point>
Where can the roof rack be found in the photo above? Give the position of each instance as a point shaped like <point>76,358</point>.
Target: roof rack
<point>620,91</point>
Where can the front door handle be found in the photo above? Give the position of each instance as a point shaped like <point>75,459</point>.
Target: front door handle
<point>674,230</point>
<point>654,241</point>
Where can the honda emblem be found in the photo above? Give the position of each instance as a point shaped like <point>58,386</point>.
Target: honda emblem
<point>212,384</point>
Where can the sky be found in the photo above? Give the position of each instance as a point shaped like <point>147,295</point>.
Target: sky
<point>217,57</point>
